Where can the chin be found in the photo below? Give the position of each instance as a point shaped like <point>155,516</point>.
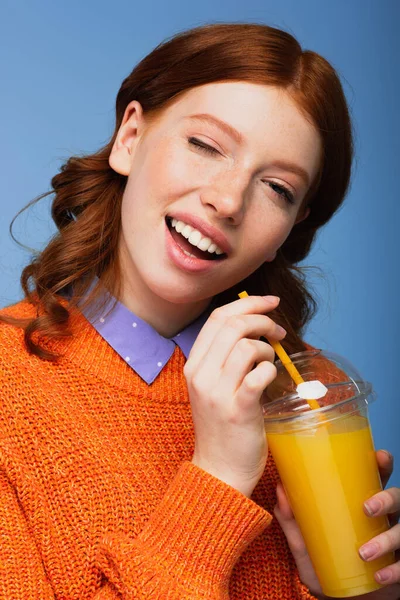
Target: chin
<point>175,293</point>
<point>183,296</point>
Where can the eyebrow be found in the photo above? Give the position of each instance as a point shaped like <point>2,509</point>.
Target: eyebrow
<point>293,168</point>
<point>234,133</point>
<point>221,124</point>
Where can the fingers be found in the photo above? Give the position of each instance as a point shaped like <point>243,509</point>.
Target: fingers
<point>385,464</point>
<point>236,328</point>
<point>244,355</point>
<point>389,575</point>
<point>228,365</point>
<point>386,502</point>
<point>252,387</point>
<point>383,503</point>
<point>233,331</point>
<point>225,390</point>
<point>233,318</point>
<point>383,543</point>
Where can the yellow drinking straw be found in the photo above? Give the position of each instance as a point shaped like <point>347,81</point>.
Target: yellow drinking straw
<point>287,363</point>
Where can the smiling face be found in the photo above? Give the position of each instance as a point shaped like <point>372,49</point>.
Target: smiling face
<point>238,173</point>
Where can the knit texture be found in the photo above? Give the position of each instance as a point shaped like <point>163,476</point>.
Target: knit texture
<point>98,497</point>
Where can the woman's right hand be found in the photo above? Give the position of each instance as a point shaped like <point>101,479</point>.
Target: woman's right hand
<point>225,390</point>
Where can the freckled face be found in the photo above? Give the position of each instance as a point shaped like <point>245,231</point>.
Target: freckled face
<point>241,187</point>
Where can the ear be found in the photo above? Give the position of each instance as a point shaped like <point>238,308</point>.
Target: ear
<point>303,214</point>
<point>120,159</point>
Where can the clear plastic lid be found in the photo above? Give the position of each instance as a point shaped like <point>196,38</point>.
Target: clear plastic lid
<point>347,392</point>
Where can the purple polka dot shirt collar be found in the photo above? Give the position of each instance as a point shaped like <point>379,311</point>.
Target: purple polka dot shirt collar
<point>139,344</point>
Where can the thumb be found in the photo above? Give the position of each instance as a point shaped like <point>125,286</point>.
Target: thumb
<point>286,520</point>
<point>283,505</point>
<point>288,523</point>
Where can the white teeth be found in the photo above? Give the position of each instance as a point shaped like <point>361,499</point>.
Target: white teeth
<point>186,231</point>
<point>204,244</point>
<point>195,237</point>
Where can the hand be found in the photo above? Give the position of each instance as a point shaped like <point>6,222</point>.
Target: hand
<point>386,502</point>
<point>389,541</point>
<point>225,390</point>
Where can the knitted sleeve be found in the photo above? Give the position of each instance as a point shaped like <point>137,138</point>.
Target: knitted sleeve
<point>190,544</point>
<point>22,574</point>
<point>187,549</point>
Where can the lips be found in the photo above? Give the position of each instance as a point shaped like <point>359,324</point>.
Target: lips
<point>182,260</point>
<point>184,244</point>
<point>205,229</point>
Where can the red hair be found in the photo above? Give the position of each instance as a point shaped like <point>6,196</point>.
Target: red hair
<point>88,193</point>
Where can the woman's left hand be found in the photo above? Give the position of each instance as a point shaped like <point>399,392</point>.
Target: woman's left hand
<point>389,501</point>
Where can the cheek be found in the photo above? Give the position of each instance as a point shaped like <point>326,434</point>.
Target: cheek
<point>284,230</point>
<point>127,204</point>
<point>161,174</point>
<point>169,171</point>
<point>177,170</point>
<point>151,178</point>
<point>270,229</point>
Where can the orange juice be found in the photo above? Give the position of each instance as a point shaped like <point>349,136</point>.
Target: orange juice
<point>328,472</point>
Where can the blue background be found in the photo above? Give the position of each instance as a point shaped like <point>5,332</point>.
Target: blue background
<point>62,64</point>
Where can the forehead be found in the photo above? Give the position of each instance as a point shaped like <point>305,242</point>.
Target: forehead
<point>266,116</point>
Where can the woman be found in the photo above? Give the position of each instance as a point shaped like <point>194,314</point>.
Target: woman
<point>133,455</point>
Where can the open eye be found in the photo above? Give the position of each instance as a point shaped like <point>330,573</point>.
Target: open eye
<point>203,146</point>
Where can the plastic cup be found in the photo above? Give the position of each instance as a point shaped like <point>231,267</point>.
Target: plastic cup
<point>326,462</point>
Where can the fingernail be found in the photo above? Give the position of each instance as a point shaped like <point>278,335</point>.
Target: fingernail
<point>368,551</point>
<point>384,576</point>
<point>373,506</point>
<point>271,298</point>
<point>280,331</point>
<point>390,456</point>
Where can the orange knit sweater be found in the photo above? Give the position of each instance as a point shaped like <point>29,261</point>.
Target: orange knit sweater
<point>98,496</point>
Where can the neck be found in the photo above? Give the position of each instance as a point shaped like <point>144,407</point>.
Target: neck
<point>167,318</point>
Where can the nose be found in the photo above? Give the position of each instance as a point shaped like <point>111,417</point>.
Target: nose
<point>227,197</point>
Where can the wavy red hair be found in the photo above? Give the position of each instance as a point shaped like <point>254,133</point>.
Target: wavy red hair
<point>88,193</point>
